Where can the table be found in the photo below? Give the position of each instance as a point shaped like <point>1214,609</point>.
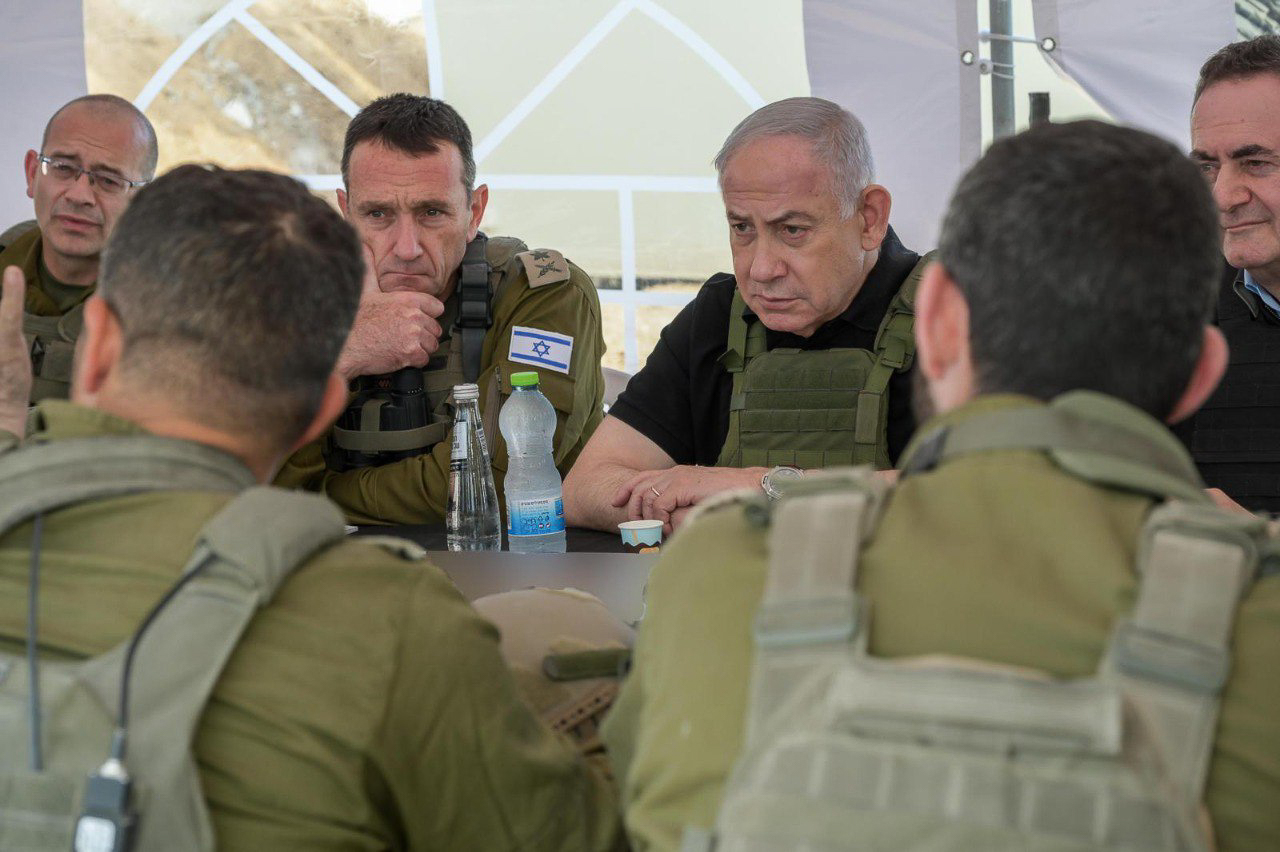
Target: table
<point>595,563</point>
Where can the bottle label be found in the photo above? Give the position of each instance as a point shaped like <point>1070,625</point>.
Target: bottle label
<point>459,441</point>
<point>535,517</point>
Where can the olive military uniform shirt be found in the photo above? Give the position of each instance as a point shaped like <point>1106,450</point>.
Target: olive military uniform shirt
<point>680,399</point>
<point>999,556</point>
<point>365,708</point>
<point>416,490</point>
<point>46,295</point>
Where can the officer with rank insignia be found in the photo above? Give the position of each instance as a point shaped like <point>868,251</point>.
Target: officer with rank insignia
<point>444,304</point>
<point>1045,636</point>
<point>1235,138</point>
<point>800,359</point>
<point>95,152</point>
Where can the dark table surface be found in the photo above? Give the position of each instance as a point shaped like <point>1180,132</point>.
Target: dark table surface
<point>432,537</point>
<point>595,563</point>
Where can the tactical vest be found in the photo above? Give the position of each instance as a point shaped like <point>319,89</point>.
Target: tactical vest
<point>52,344</point>
<point>51,340</point>
<point>242,555</point>
<point>848,751</point>
<point>406,413</point>
<point>815,408</point>
<point>1235,436</point>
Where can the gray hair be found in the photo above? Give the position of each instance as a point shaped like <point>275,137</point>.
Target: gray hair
<point>839,141</point>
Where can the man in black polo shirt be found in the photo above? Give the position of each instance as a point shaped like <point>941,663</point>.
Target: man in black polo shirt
<point>800,359</point>
<point>1235,137</point>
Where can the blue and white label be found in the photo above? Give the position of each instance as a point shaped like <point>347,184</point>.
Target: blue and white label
<point>540,348</point>
<point>535,517</point>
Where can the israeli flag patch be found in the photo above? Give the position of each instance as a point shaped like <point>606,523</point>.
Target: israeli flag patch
<point>540,348</point>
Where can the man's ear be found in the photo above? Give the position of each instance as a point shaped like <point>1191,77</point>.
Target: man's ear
<point>29,165</point>
<point>1205,375</point>
<point>342,203</point>
<point>331,405</point>
<point>479,200</point>
<point>98,351</point>
<point>874,204</point>
<point>942,339</point>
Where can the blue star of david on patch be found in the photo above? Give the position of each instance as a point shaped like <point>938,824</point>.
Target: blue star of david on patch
<point>542,348</point>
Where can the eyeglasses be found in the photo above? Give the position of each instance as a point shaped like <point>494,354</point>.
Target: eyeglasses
<point>68,172</point>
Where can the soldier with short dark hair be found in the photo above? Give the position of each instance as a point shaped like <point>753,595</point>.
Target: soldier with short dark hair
<point>291,688</point>
<point>96,150</point>
<point>796,681</point>
<point>443,305</point>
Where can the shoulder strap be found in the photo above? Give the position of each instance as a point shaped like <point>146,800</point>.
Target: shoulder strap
<point>475,311</point>
<point>894,349</point>
<point>809,607</point>
<point>244,553</point>
<point>42,477</point>
<point>1172,655</point>
<point>745,340</point>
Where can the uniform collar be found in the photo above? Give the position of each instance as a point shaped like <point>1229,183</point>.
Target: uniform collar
<point>59,420</point>
<point>1116,444</point>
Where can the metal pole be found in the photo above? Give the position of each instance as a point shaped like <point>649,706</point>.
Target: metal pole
<point>1002,105</point>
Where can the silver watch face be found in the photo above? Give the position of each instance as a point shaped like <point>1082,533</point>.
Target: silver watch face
<point>775,477</point>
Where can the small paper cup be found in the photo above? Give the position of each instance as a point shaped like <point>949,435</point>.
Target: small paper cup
<point>641,536</point>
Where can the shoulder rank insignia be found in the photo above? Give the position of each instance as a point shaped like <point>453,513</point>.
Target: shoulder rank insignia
<point>544,266</point>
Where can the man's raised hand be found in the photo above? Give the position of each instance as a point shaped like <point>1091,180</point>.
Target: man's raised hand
<point>15,358</point>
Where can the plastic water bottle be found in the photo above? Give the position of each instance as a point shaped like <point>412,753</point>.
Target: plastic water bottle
<point>472,517</point>
<point>535,498</point>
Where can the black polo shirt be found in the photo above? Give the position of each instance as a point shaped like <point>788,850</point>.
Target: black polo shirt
<point>680,399</point>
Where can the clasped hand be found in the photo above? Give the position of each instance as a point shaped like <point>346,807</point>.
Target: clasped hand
<point>391,330</point>
<point>669,494</point>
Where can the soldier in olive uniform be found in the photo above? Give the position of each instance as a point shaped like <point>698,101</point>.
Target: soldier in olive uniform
<point>366,706</point>
<point>443,305</point>
<point>96,150</point>
<point>1066,321</point>
<point>800,359</point>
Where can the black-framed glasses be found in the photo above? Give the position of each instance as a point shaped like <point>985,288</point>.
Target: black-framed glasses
<point>65,171</point>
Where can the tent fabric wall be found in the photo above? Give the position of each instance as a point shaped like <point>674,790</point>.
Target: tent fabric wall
<point>42,65</point>
<point>1138,59</point>
<point>897,67</point>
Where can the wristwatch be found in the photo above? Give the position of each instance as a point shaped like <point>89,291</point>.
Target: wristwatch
<point>774,477</point>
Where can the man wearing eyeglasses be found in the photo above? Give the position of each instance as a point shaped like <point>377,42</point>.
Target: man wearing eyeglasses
<point>95,152</point>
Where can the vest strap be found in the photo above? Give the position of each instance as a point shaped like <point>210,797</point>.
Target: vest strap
<point>475,312</point>
<point>809,607</point>
<point>1173,652</point>
<point>401,439</point>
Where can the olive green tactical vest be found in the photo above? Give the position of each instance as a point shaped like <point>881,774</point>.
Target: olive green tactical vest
<point>51,340</point>
<point>848,751</point>
<point>815,408</point>
<point>52,344</point>
<point>441,375</point>
<point>243,554</point>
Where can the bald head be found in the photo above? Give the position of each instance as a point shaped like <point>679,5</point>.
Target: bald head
<point>113,108</point>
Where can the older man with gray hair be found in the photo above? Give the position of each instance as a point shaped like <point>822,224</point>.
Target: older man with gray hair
<point>799,359</point>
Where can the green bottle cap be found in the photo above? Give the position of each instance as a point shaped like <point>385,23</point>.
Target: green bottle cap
<point>524,380</point>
